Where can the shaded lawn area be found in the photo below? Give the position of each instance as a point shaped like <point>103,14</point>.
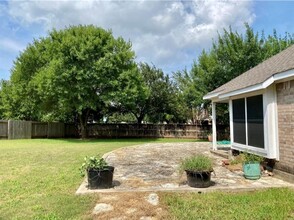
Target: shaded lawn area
<point>39,177</point>
<point>271,204</point>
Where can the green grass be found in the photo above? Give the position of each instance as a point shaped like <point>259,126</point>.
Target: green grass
<point>272,204</point>
<point>38,178</point>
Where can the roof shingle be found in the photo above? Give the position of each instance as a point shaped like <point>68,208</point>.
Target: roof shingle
<point>278,63</point>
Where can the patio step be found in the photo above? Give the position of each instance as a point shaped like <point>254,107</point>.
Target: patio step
<point>221,153</point>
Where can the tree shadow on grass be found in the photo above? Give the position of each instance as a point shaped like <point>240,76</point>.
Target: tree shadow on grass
<point>126,140</point>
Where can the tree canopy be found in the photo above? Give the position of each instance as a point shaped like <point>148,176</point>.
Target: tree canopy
<point>82,73</point>
<point>231,55</point>
<point>149,96</point>
<point>71,73</point>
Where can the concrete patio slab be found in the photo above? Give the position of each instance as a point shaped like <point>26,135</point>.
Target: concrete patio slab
<point>154,167</point>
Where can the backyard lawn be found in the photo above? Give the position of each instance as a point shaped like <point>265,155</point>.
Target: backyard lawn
<point>39,177</point>
<point>271,204</point>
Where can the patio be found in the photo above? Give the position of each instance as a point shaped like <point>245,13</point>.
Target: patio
<point>154,167</point>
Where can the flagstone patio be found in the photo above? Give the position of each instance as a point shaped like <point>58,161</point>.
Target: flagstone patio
<point>154,167</point>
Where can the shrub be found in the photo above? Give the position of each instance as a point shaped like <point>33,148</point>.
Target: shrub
<point>93,163</point>
<point>197,163</point>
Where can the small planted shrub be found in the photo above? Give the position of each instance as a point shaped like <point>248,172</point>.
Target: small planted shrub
<point>198,169</point>
<point>93,163</point>
<point>251,166</point>
<point>197,163</point>
<point>239,159</point>
<point>252,158</point>
<point>99,173</point>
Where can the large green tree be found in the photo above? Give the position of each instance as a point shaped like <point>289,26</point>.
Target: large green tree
<point>231,55</point>
<point>71,73</point>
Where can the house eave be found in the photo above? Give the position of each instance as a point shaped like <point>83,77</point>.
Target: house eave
<point>275,78</point>
<point>211,96</point>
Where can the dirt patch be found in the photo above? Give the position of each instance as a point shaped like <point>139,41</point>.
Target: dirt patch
<point>131,206</point>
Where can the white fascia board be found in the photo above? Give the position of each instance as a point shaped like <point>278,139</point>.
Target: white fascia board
<point>241,91</point>
<point>211,96</point>
<point>284,75</point>
<point>260,86</point>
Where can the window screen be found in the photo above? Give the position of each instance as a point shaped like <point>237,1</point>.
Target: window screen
<point>255,121</point>
<point>239,121</point>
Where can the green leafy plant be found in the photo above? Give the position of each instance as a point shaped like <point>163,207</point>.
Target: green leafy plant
<point>237,159</point>
<point>197,163</point>
<point>252,158</point>
<point>93,163</point>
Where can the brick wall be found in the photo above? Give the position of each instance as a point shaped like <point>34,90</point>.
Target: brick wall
<point>285,102</point>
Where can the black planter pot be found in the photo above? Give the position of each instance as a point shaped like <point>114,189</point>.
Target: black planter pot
<point>100,179</point>
<point>199,179</point>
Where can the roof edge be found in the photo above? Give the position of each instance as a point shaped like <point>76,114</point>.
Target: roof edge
<point>276,77</point>
<point>211,96</point>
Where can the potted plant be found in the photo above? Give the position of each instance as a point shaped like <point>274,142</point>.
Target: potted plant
<point>99,173</point>
<point>198,169</point>
<point>209,137</point>
<point>251,166</point>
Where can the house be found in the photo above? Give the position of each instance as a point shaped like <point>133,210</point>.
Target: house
<point>261,105</point>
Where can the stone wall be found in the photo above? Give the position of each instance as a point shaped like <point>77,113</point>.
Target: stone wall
<point>285,104</point>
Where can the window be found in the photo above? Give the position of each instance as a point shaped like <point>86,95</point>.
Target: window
<point>239,121</point>
<point>255,121</point>
<point>252,114</point>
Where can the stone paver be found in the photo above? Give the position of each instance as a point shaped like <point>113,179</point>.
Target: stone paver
<point>154,167</point>
<point>102,207</point>
<point>153,199</point>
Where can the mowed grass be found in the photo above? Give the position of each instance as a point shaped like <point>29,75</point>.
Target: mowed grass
<point>38,180</point>
<point>271,204</point>
<point>39,177</point>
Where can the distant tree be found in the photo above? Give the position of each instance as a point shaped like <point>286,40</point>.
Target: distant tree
<point>148,94</point>
<point>117,117</point>
<point>70,74</point>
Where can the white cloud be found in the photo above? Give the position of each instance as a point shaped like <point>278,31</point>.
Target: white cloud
<point>9,45</point>
<point>167,33</point>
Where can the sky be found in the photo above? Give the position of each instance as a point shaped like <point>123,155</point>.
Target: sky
<point>169,34</point>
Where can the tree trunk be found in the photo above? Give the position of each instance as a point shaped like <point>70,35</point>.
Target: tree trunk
<point>140,119</point>
<point>84,134</point>
<point>83,118</point>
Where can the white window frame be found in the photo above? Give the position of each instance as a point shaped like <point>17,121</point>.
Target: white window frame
<point>270,124</point>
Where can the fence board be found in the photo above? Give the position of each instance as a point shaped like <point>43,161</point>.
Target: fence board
<point>148,130</point>
<point>55,130</point>
<point>19,129</point>
<point>4,129</point>
<point>39,129</point>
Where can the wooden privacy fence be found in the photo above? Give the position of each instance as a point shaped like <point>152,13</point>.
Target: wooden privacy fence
<point>13,129</point>
<point>148,131</point>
